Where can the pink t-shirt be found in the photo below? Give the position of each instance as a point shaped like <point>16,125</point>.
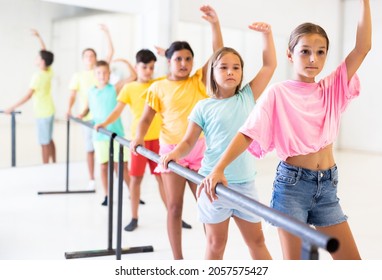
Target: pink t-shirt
<point>298,118</point>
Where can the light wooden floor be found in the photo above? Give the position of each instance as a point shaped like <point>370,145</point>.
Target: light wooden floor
<point>44,227</point>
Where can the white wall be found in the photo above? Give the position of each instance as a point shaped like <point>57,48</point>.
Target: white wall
<point>362,123</point>
<point>19,49</point>
<point>160,22</point>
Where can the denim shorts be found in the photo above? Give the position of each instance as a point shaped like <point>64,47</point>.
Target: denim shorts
<point>45,130</point>
<point>307,195</point>
<point>219,211</point>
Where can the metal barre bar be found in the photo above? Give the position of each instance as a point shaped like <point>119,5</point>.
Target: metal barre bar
<point>13,112</point>
<point>245,203</point>
<point>90,125</point>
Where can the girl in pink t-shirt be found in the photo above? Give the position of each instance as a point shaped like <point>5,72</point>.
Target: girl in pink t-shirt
<point>299,118</point>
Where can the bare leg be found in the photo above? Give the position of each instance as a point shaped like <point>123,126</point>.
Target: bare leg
<point>45,154</point>
<point>104,177</point>
<point>90,161</point>
<point>52,151</point>
<point>126,176</point>
<point>135,193</point>
<point>254,238</point>
<point>174,188</point>
<point>161,189</point>
<point>193,188</point>
<point>217,236</point>
<point>348,249</point>
<point>291,245</point>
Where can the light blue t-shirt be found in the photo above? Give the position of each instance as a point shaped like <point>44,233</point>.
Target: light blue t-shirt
<point>101,103</point>
<point>220,120</point>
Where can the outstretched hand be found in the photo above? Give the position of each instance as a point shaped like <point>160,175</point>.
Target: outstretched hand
<point>260,27</point>
<point>160,51</point>
<point>97,126</point>
<point>135,143</point>
<point>209,184</point>
<point>166,158</point>
<point>34,32</point>
<point>209,14</point>
<point>104,28</point>
<point>9,110</point>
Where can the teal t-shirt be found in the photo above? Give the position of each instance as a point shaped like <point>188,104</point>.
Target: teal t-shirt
<point>101,103</point>
<point>220,120</point>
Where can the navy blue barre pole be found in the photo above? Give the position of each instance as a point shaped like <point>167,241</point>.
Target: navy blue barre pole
<point>67,191</point>
<point>310,237</point>
<point>13,136</point>
<point>119,250</point>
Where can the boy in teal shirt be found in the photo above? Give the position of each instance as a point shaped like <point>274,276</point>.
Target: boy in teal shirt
<point>102,100</point>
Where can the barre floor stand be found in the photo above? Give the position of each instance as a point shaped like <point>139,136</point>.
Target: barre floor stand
<point>67,191</point>
<point>109,250</point>
<point>119,249</point>
<point>13,136</point>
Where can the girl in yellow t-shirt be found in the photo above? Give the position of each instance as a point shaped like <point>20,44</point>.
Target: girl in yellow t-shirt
<point>174,98</point>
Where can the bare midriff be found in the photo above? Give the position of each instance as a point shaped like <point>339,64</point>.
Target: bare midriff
<point>321,160</point>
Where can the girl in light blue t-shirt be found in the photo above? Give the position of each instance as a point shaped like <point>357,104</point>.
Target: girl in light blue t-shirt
<point>219,118</point>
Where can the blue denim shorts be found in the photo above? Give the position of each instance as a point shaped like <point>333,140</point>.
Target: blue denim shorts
<point>218,211</point>
<point>308,195</point>
<point>44,130</point>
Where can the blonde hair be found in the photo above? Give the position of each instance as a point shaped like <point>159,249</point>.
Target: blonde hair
<point>212,87</point>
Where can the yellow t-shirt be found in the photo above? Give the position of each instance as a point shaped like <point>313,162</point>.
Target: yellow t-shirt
<point>42,97</point>
<point>133,95</point>
<point>174,101</point>
<point>82,82</point>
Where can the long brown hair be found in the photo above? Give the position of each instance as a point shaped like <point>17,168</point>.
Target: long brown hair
<point>306,28</point>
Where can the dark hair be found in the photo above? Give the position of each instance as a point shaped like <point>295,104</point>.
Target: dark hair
<point>306,28</point>
<point>91,50</point>
<point>177,46</point>
<point>145,56</point>
<point>212,87</point>
<point>101,63</point>
<point>47,56</point>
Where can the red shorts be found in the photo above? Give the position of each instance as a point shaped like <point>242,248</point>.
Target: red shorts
<point>138,162</point>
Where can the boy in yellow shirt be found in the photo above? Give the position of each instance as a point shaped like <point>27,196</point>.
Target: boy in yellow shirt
<point>40,90</point>
<point>133,95</point>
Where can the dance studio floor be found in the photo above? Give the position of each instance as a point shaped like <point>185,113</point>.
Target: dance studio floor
<point>44,227</point>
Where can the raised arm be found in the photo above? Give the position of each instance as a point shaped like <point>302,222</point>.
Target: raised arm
<point>262,78</point>
<point>363,40</point>
<point>210,15</point>
<point>160,51</point>
<point>110,47</point>
<point>132,77</point>
<point>40,40</point>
